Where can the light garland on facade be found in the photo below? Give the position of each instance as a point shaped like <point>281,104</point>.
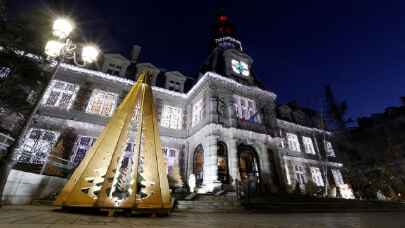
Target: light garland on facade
<point>207,76</point>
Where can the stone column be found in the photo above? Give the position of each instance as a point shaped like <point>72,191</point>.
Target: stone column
<point>210,178</point>
<point>233,162</point>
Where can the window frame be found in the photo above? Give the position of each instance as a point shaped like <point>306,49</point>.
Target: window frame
<point>317,177</point>
<point>60,94</point>
<point>78,146</point>
<point>330,152</point>
<point>42,146</point>
<point>293,142</point>
<point>337,177</point>
<point>299,171</point>
<point>171,117</point>
<point>308,145</point>
<point>197,114</point>
<point>95,96</point>
<point>170,160</point>
<point>245,109</point>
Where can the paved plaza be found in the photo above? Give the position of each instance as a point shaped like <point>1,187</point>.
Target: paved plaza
<point>43,216</point>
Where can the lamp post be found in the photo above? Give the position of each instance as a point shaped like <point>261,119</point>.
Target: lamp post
<point>64,48</point>
<point>58,50</point>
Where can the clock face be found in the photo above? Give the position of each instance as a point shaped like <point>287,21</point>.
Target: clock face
<point>240,67</point>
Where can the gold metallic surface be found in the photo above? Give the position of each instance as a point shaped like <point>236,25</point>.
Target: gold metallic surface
<point>108,177</point>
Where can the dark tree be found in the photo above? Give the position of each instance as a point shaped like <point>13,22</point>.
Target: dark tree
<point>335,110</point>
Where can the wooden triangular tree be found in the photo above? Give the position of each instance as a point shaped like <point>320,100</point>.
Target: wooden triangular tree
<point>111,177</point>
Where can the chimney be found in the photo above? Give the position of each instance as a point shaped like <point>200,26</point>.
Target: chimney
<point>136,51</point>
<point>402,101</point>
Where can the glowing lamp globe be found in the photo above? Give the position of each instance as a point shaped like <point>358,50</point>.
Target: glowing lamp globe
<point>90,53</point>
<point>62,27</point>
<point>53,48</point>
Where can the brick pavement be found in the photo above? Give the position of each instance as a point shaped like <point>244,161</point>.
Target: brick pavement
<point>47,217</point>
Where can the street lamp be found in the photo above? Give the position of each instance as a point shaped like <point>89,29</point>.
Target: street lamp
<point>90,53</point>
<point>59,48</point>
<point>53,48</point>
<point>62,27</point>
<point>64,48</point>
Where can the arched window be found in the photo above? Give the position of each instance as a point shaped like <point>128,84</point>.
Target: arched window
<point>198,165</point>
<point>248,163</point>
<point>222,162</point>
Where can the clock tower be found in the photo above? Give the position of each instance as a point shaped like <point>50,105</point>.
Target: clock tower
<point>226,54</point>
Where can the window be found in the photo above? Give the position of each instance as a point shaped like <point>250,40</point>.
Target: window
<point>299,174</point>
<point>37,145</point>
<point>329,149</point>
<point>170,157</point>
<point>317,176</point>
<point>308,145</point>
<point>198,112</point>
<point>293,143</point>
<point>172,85</point>
<point>60,94</point>
<point>337,176</point>
<point>246,109</point>
<point>171,117</point>
<point>102,103</point>
<point>83,144</point>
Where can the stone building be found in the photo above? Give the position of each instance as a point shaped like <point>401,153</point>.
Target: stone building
<point>225,128</point>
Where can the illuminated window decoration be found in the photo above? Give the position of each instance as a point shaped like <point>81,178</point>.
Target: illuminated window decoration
<point>293,143</point>
<point>308,145</point>
<point>4,72</point>
<point>198,112</point>
<point>337,176</point>
<point>37,145</point>
<point>83,144</point>
<point>329,149</point>
<point>171,117</point>
<point>317,176</point>
<point>240,67</point>
<point>299,174</point>
<point>102,103</point>
<point>246,109</point>
<point>60,94</point>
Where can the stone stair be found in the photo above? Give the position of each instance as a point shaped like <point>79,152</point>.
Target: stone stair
<point>210,203</point>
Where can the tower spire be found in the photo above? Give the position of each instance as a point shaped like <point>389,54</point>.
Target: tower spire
<point>224,34</point>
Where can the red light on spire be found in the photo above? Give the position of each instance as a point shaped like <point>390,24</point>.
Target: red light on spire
<point>223,18</point>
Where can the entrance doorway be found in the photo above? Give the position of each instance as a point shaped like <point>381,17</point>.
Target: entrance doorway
<point>222,163</point>
<point>198,165</point>
<point>248,165</point>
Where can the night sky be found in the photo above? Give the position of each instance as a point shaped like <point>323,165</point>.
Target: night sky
<point>357,46</point>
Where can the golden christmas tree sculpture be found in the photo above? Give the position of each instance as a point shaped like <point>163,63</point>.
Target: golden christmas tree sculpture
<point>110,175</point>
